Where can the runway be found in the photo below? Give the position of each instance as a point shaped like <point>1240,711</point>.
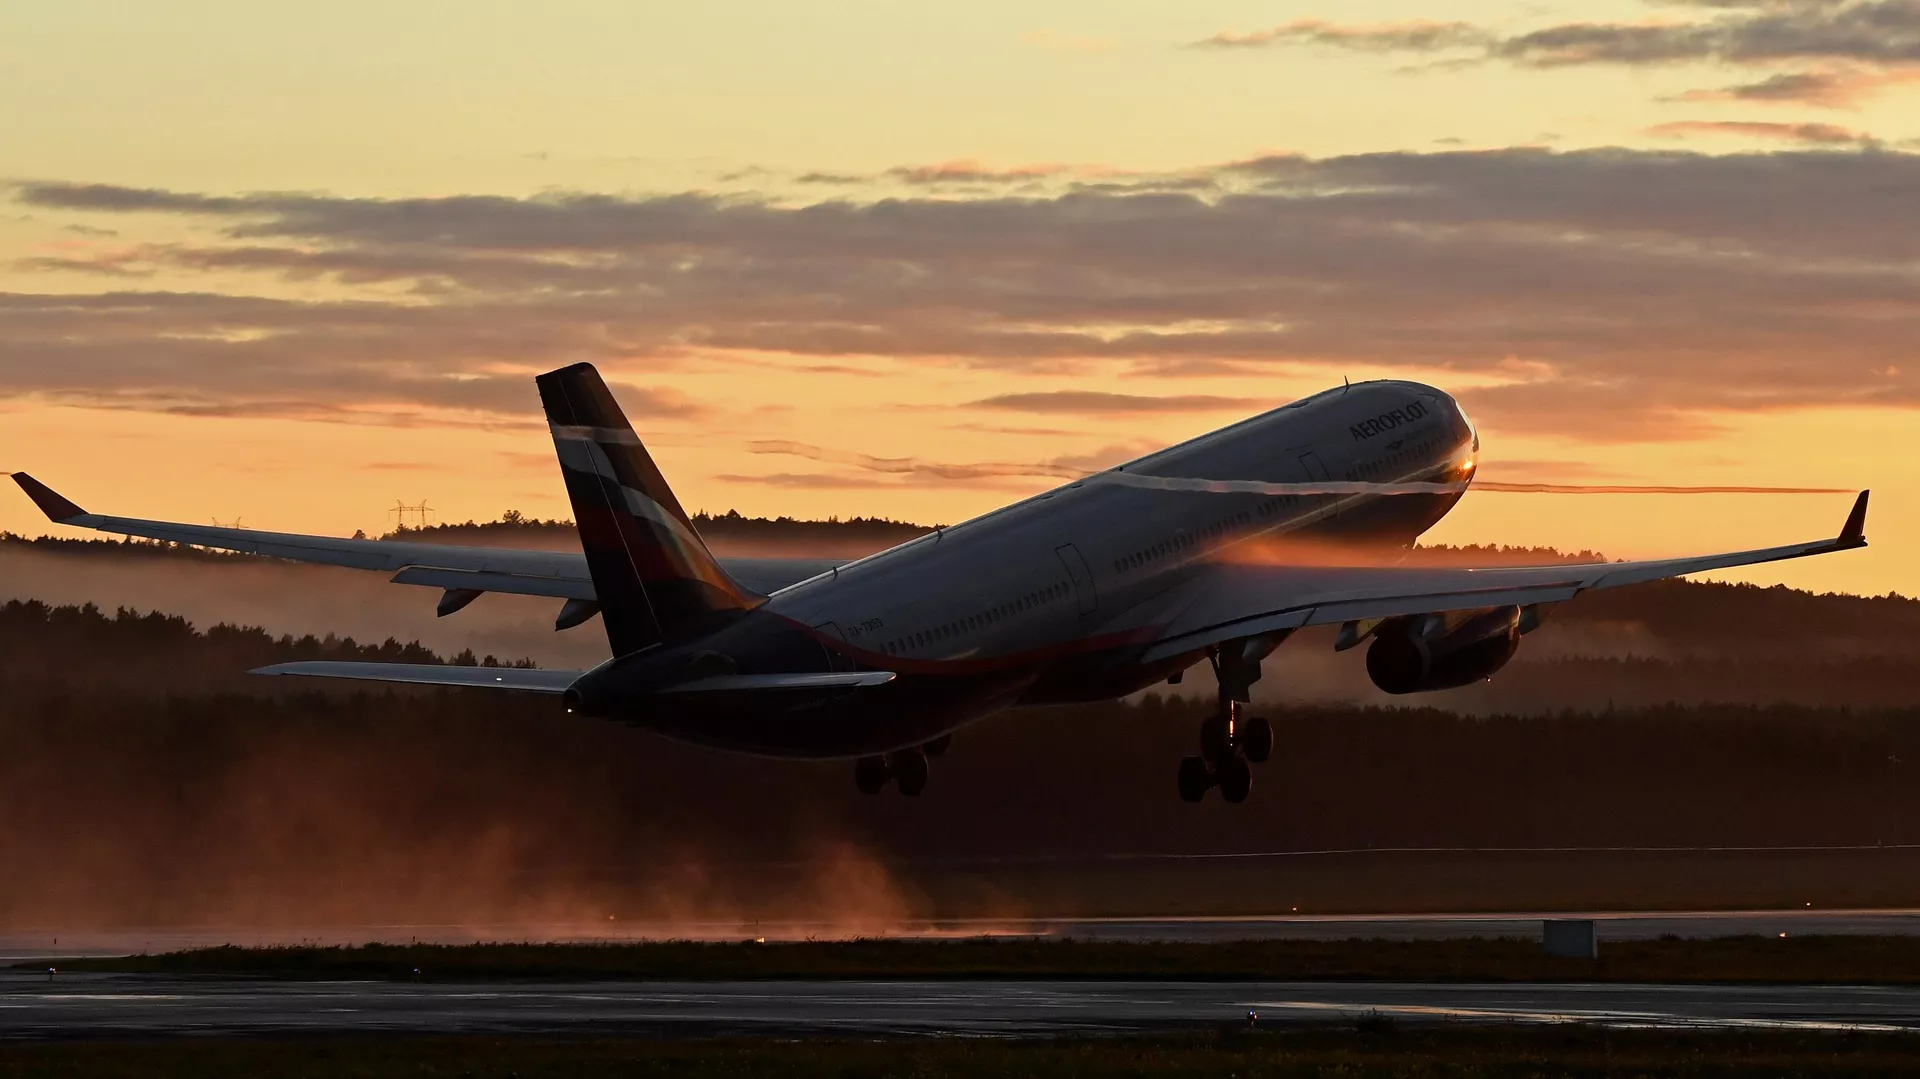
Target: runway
<point>23,945</point>
<point>94,1006</point>
<point>1609,925</point>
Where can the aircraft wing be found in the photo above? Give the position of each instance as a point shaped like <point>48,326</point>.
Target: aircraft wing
<point>1236,601</point>
<point>560,574</point>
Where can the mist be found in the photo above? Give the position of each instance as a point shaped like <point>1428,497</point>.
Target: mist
<point>297,599</point>
<point>145,781</point>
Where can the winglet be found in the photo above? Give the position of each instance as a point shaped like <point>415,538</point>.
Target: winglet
<point>1854,532</point>
<point>49,501</point>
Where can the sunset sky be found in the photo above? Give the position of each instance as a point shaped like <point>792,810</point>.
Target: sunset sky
<point>290,264</point>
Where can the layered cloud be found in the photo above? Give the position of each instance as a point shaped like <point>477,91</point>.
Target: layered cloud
<point>1832,88</point>
<point>1073,466</point>
<point>1841,49</point>
<point>213,354</point>
<point>1419,36</point>
<point>1812,134</point>
<point>1603,295</point>
<point>1098,403</point>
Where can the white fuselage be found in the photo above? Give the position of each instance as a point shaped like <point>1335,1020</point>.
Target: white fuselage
<point>1058,597</point>
<point>1088,560</point>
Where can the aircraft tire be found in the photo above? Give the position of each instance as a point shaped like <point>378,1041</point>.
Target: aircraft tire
<point>909,767</point>
<point>1195,778</point>
<point>1236,779</point>
<point>939,746</point>
<point>1215,744</point>
<point>1256,740</point>
<point>870,774</point>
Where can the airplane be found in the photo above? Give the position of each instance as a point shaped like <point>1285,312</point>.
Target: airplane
<point>1101,587</point>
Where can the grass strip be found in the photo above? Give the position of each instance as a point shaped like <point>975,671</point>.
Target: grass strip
<point>1887,960</point>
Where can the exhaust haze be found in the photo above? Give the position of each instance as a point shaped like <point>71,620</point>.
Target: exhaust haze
<point>291,598</point>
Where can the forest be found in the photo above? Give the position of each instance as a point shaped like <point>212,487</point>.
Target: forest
<point>144,779</point>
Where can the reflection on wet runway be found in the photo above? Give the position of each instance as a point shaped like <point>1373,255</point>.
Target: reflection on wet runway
<point>139,1005</point>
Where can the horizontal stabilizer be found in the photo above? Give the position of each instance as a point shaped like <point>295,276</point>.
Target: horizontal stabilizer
<point>525,679</point>
<point>533,680</point>
<point>757,683</point>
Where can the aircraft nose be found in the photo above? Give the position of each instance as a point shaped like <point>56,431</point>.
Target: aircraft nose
<point>1447,406</point>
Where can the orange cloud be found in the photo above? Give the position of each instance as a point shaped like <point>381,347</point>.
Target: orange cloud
<point>1094,402</point>
<point>1861,46</point>
<point>968,170</point>
<point>1605,294</point>
<point>1832,89</point>
<point>1810,133</point>
<point>1416,35</point>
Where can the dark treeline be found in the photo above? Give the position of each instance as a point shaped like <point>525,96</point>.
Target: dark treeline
<point>1536,685</point>
<point>1751,620</point>
<point>729,533</point>
<point>1659,621</point>
<point>128,547</point>
<point>142,780</point>
<point>852,537</point>
<point>84,650</point>
<point>1694,642</point>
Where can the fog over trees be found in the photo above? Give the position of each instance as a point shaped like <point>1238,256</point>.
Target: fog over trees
<point>145,778</point>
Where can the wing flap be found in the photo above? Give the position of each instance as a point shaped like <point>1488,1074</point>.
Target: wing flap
<point>473,580</point>
<point>761,683</point>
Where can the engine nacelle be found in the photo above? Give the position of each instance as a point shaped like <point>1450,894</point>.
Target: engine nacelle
<point>1417,655</point>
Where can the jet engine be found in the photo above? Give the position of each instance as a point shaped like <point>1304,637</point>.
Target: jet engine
<point>1444,651</point>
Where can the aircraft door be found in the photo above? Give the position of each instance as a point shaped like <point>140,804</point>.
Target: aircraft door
<point>1083,589</point>
<point>1311,469</point>
<point>836,659</point>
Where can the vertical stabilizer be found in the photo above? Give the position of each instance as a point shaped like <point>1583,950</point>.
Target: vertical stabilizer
<point>654,577</point>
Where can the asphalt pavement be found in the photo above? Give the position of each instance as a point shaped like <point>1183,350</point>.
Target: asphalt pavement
<point>120,1005</point>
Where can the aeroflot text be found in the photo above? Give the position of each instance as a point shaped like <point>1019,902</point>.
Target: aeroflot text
<point>1388,421</point>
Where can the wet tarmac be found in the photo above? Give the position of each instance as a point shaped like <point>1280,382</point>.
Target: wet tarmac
<point>95,1006</point>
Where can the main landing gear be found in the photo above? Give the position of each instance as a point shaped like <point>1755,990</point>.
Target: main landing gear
<point>1230,740</point>
<point>1229,743</point>
<point>907,768</point>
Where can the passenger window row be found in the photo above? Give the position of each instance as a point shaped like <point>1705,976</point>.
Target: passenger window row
<point>1266,508</point>
<point>994,614</point>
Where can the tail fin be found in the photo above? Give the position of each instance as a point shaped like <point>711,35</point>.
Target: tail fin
<point>656,581</point>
